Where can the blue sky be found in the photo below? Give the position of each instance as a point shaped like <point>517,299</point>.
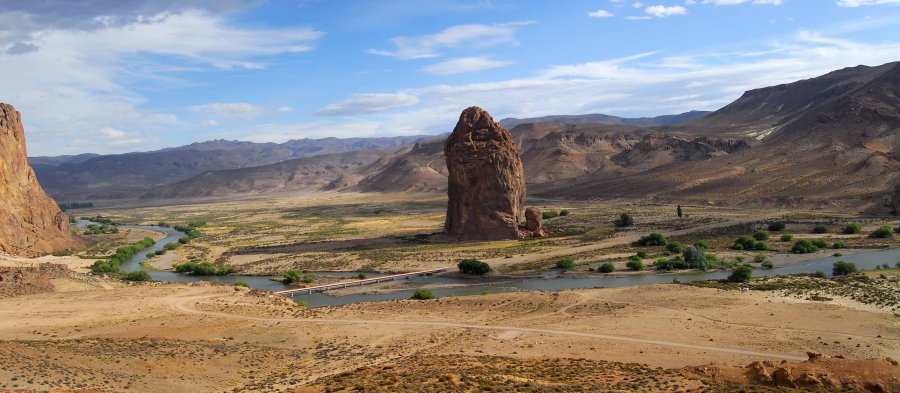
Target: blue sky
<point>110,76</point>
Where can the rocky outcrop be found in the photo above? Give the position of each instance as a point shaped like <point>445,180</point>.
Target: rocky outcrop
<point>486,183</point>
<point>895,201</point>
<point>30,222</point>
<point>534,222</point>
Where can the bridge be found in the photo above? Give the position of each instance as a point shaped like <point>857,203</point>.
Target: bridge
<point>365,281</point>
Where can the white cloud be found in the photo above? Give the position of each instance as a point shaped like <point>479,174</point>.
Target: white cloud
<point>240,109</point>
<point>734,2</point>
<point>464,64</point>
<point>661,11</point>
<point>857,3</point>
<point>639,17</point>
<point>368,103</point>
<point>600,14</point>
<point>477,36</point>
<point>284,109</point>
<point>71,83</point>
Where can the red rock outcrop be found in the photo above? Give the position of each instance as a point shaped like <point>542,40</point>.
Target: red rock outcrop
<point>486,183</point>
<point>30,222</point>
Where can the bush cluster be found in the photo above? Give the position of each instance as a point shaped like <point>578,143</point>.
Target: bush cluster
<point>741,273</point>
<point>750,243</point>
<point>842,268</point>
<point>203,269</point>
<point>624,220</point>
<point>882,232</point>
<point>473,266</point>
<point>565,263</point>
<point>606,268</point>
<point>114,264</point>
<point>422,294</point>
<point>853,228</point>
<point>804,246</point>
<point>548,214</point>
<point>820,228</point>
<point>653,239</point>
<point>776,226</point>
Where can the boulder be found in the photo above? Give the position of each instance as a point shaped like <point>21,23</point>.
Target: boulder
<point>534,222</point>
<point>30,222</point>
<point>486,183</point>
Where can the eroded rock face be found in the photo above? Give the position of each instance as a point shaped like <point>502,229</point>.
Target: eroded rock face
<point>486,182</point>
<point>30,222</point>
<point>534,221</point>
<point>895,201</point>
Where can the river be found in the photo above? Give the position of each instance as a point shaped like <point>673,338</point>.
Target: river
<point>457,286</point>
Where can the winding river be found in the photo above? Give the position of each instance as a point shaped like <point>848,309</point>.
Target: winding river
<point>456,286</point>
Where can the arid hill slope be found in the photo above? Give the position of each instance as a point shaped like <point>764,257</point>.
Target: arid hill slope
<point>30,222</point>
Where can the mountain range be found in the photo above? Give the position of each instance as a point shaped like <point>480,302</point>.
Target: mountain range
<point>832,139</point>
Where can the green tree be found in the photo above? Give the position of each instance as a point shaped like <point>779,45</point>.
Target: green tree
<point>473,266</point>
<point>292,276</point>
<point>653,239</point>
<point>741,273</point>
<point>842,268</point>
<point>606,268</point>
<point>625,220</point>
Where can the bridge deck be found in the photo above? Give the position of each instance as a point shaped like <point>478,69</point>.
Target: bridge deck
<point>365,281</point>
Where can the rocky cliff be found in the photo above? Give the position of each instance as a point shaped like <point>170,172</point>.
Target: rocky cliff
<point>30,222</point>
<point>485,182</point>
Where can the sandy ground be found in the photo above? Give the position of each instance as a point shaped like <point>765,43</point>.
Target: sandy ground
<point>176,337</point>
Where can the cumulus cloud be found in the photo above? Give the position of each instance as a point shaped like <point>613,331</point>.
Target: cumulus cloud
<point>75,63</point>
<point>661,11</point>
<point>368,103</point>
<point>477,36</point>
<point>240,109</point>
<point>464,64</point>
<point>600,14</point>
<point>734,2</point>
<point>857,3</point>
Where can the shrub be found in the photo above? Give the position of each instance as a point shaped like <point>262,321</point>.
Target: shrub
<point>635,265</point>
<point>760,246</point>
<point>309,278</point>
<point>761,235</point>
<point>882,232</point>
<point>852,228</point>
<point>819,243</point>
<point>563,213</point>
<point>695,258</point>
<point>819,274</point>
<point>114,264</point>
<point>139,275</point>
<point>184,240</point>
<point>786,237</point>
<point>820,228</point>
<point>203,269</point>
<point>804,246</point>
<point>759,258</point>
<point>701,244</point>
<point>473,266</point>
<point>679,212</point>
<point>674,247</point>
<point>624,220</point>
<point>565,263</point>
<point>422,294</point>
<point>744,243</point>
<point>653,239</point>
<point>838,245</point>
<point>606,268</point>
<point>548,214</point>
<point>768,264</point>
<point>842,268</point>
<point>776,226</point>
<point>741,273</point>
<point>897,229</point>
<point>361,276</point>
<point>160,252</point>
<point>642,254</point>
<point>242,283</point>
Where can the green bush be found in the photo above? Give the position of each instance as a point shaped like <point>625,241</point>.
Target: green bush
<point>606,268</point>
<point>563,213</point>
<point>674,247</point>
<point>768,264</point>
<point>776,226</point>
<point>642,254</point>
<point>565,263</point>
<point>422,294</point>
<point>695,258</point>
<point>679,212</point>
<point>624,220</point>
<point>473,266</point>
<point>820,228</point>
<point>819,274</point>
<point>203,269</point>
<point>653,239</point>
<point>114,264</point>
<point>548,214</point>
<point>309,278</point>
<point>760,246</point>
<point>744,243</point>
<point>635,265</point>
<point>184,240</point>
<point>852,228</point>
<point>702,244</point>
<point>361,276</point>
<point>804,246</point>
<point>139,275</point>
<point>292,276</point>
<point>786,237</point>
<point>761,235</point>
<point>741,273</point>
<point>759,258</point>
<point>882,232</point>
<point>842,268</point>
<point>819,243</point>
<point>242,283</point>
<point>838,245</point>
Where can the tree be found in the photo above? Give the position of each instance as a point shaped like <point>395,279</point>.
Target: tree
<point>635,264</point>
<point>473,266</point>
<point>624,220</point>
<point>820,228</point>
<point>695,258</point>
<point>741,273</point>
<point>842,268</point>
<point>882,232</point>
<point>292,276</point>
<point>852,228</point>
<point>653,239</point>
<point>776,226</point>
<point>565,263</point>
<point>422,294</point>
<point>606,268</point>
<point>679,212</point>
